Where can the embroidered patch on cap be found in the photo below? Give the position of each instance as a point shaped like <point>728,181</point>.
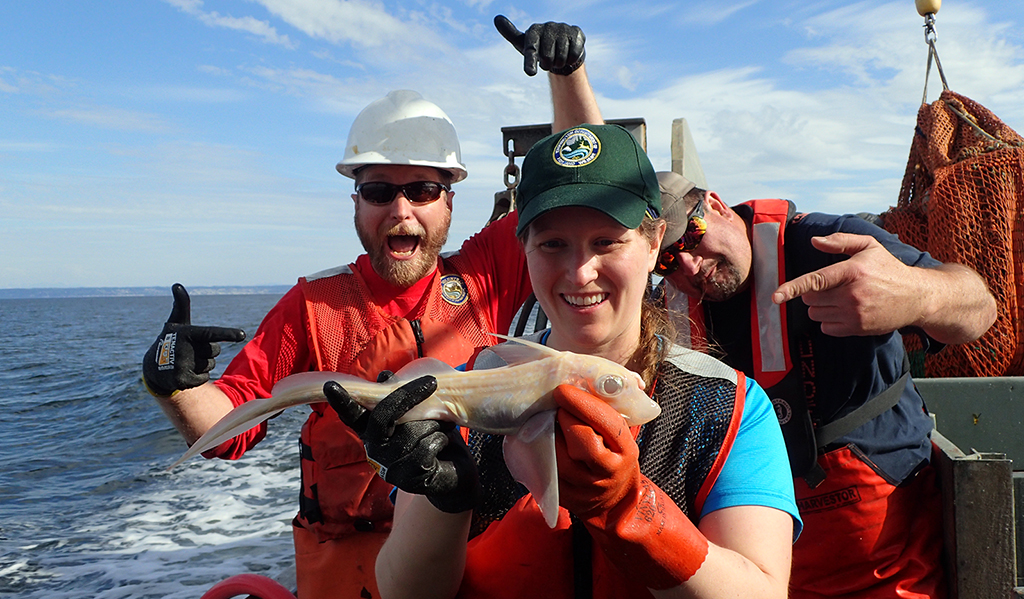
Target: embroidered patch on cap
<point>453,290</point>
<point>577,147</point>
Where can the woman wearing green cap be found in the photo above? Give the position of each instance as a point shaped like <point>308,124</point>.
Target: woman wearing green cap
<point>696,503</point>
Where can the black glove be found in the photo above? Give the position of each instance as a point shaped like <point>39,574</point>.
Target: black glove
<point>183,355</point>
<point>558,47</point>
<point>424,457</point>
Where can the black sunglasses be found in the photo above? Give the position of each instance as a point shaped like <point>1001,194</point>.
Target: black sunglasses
<point>696,226</point>
<point>417,192</point>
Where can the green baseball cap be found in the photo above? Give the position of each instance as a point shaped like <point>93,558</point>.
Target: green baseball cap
<point>597,166</point>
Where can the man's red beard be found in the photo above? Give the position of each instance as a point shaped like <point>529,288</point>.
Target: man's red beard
<point>426,247</point>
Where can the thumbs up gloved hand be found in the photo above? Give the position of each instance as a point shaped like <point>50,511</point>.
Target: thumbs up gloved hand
<point>183,355</point>
<point>636,524</point>
<point>556,47</point>
<point>424,457</point>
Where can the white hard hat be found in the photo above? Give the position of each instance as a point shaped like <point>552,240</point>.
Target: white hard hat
<point>403,128</point>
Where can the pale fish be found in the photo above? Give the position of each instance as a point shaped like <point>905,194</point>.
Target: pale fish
<point>514,400</point>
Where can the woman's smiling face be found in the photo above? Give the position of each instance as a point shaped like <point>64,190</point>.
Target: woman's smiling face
<point>589,273</point>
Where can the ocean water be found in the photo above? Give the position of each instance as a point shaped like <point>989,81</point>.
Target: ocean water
<point>87,506</point>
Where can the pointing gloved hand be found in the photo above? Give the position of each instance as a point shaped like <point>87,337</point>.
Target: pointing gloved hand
<point>423,457</point>
<point>557,47</point>
<point>183,355</point>
<point>640,528</point>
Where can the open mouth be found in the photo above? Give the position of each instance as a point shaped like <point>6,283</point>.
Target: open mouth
<point>585,300</point>
<point>403,246</point>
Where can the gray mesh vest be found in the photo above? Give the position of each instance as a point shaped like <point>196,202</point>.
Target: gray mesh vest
<point>678,450</point>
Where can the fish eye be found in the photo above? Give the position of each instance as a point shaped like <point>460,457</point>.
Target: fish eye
<point>610,385</point>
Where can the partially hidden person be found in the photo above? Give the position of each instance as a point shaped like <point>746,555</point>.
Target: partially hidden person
<point>810,305</point>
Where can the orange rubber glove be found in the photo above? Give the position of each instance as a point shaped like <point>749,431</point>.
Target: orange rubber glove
<point>636,524</point>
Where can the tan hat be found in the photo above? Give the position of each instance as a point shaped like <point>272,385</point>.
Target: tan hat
<point>674,208</point>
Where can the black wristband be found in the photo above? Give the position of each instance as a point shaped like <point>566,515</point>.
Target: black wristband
<point>571,68</point>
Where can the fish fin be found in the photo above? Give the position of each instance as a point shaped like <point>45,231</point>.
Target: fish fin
<point>232,424</point>
<point>530,457</point>
<point>420,367</point>
<point>518,351</point>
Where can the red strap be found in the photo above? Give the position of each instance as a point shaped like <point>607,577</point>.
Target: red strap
<point>723,451</point>
<point>768,320</point>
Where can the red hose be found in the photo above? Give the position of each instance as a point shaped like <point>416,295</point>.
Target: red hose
<point>258,586</point>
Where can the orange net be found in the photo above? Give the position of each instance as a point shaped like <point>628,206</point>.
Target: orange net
<point>961,200</point>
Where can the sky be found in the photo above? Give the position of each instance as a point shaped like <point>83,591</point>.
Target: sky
<point>147,142</point>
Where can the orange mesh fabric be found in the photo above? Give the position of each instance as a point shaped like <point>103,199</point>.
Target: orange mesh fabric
<point>960,200</point>
<point>352,334</point>
<point>345,303</point>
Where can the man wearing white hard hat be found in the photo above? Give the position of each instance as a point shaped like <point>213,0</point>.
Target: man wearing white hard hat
<point>397,302</point>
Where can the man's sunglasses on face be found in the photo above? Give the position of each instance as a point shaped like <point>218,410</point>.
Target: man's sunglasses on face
<point>417,192</point>
<point>696,226</point>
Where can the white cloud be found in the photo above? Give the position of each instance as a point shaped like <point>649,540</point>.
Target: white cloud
<point>4,86</point>
<point>339,21</point>
<point>478,4</point>
<point>251,25</point>
<point>180,93</point>
<point>111,117</point>
<point>626,78</point>
<point>16,147</point>
<point>213,70</point>
<point>712,13</point>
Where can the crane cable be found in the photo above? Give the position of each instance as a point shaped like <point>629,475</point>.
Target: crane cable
<point>929,38</point>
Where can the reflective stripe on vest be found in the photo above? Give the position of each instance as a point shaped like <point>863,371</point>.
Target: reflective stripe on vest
<point>690,332</point>
<point>768,319</point>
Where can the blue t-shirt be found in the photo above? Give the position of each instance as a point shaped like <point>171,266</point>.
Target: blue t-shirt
<point>756,471</point>
<point>847,371</point>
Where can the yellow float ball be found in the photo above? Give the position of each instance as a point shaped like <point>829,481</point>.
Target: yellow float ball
<point>927,7</point>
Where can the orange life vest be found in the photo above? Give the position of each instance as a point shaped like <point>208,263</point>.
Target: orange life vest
<point>341,494</point>
<point>773,363</point>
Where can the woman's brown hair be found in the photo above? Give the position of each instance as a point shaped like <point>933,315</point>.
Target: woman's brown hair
<point>656,328</point>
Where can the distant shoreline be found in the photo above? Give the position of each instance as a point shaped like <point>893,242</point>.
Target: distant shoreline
<point>57,292</point>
